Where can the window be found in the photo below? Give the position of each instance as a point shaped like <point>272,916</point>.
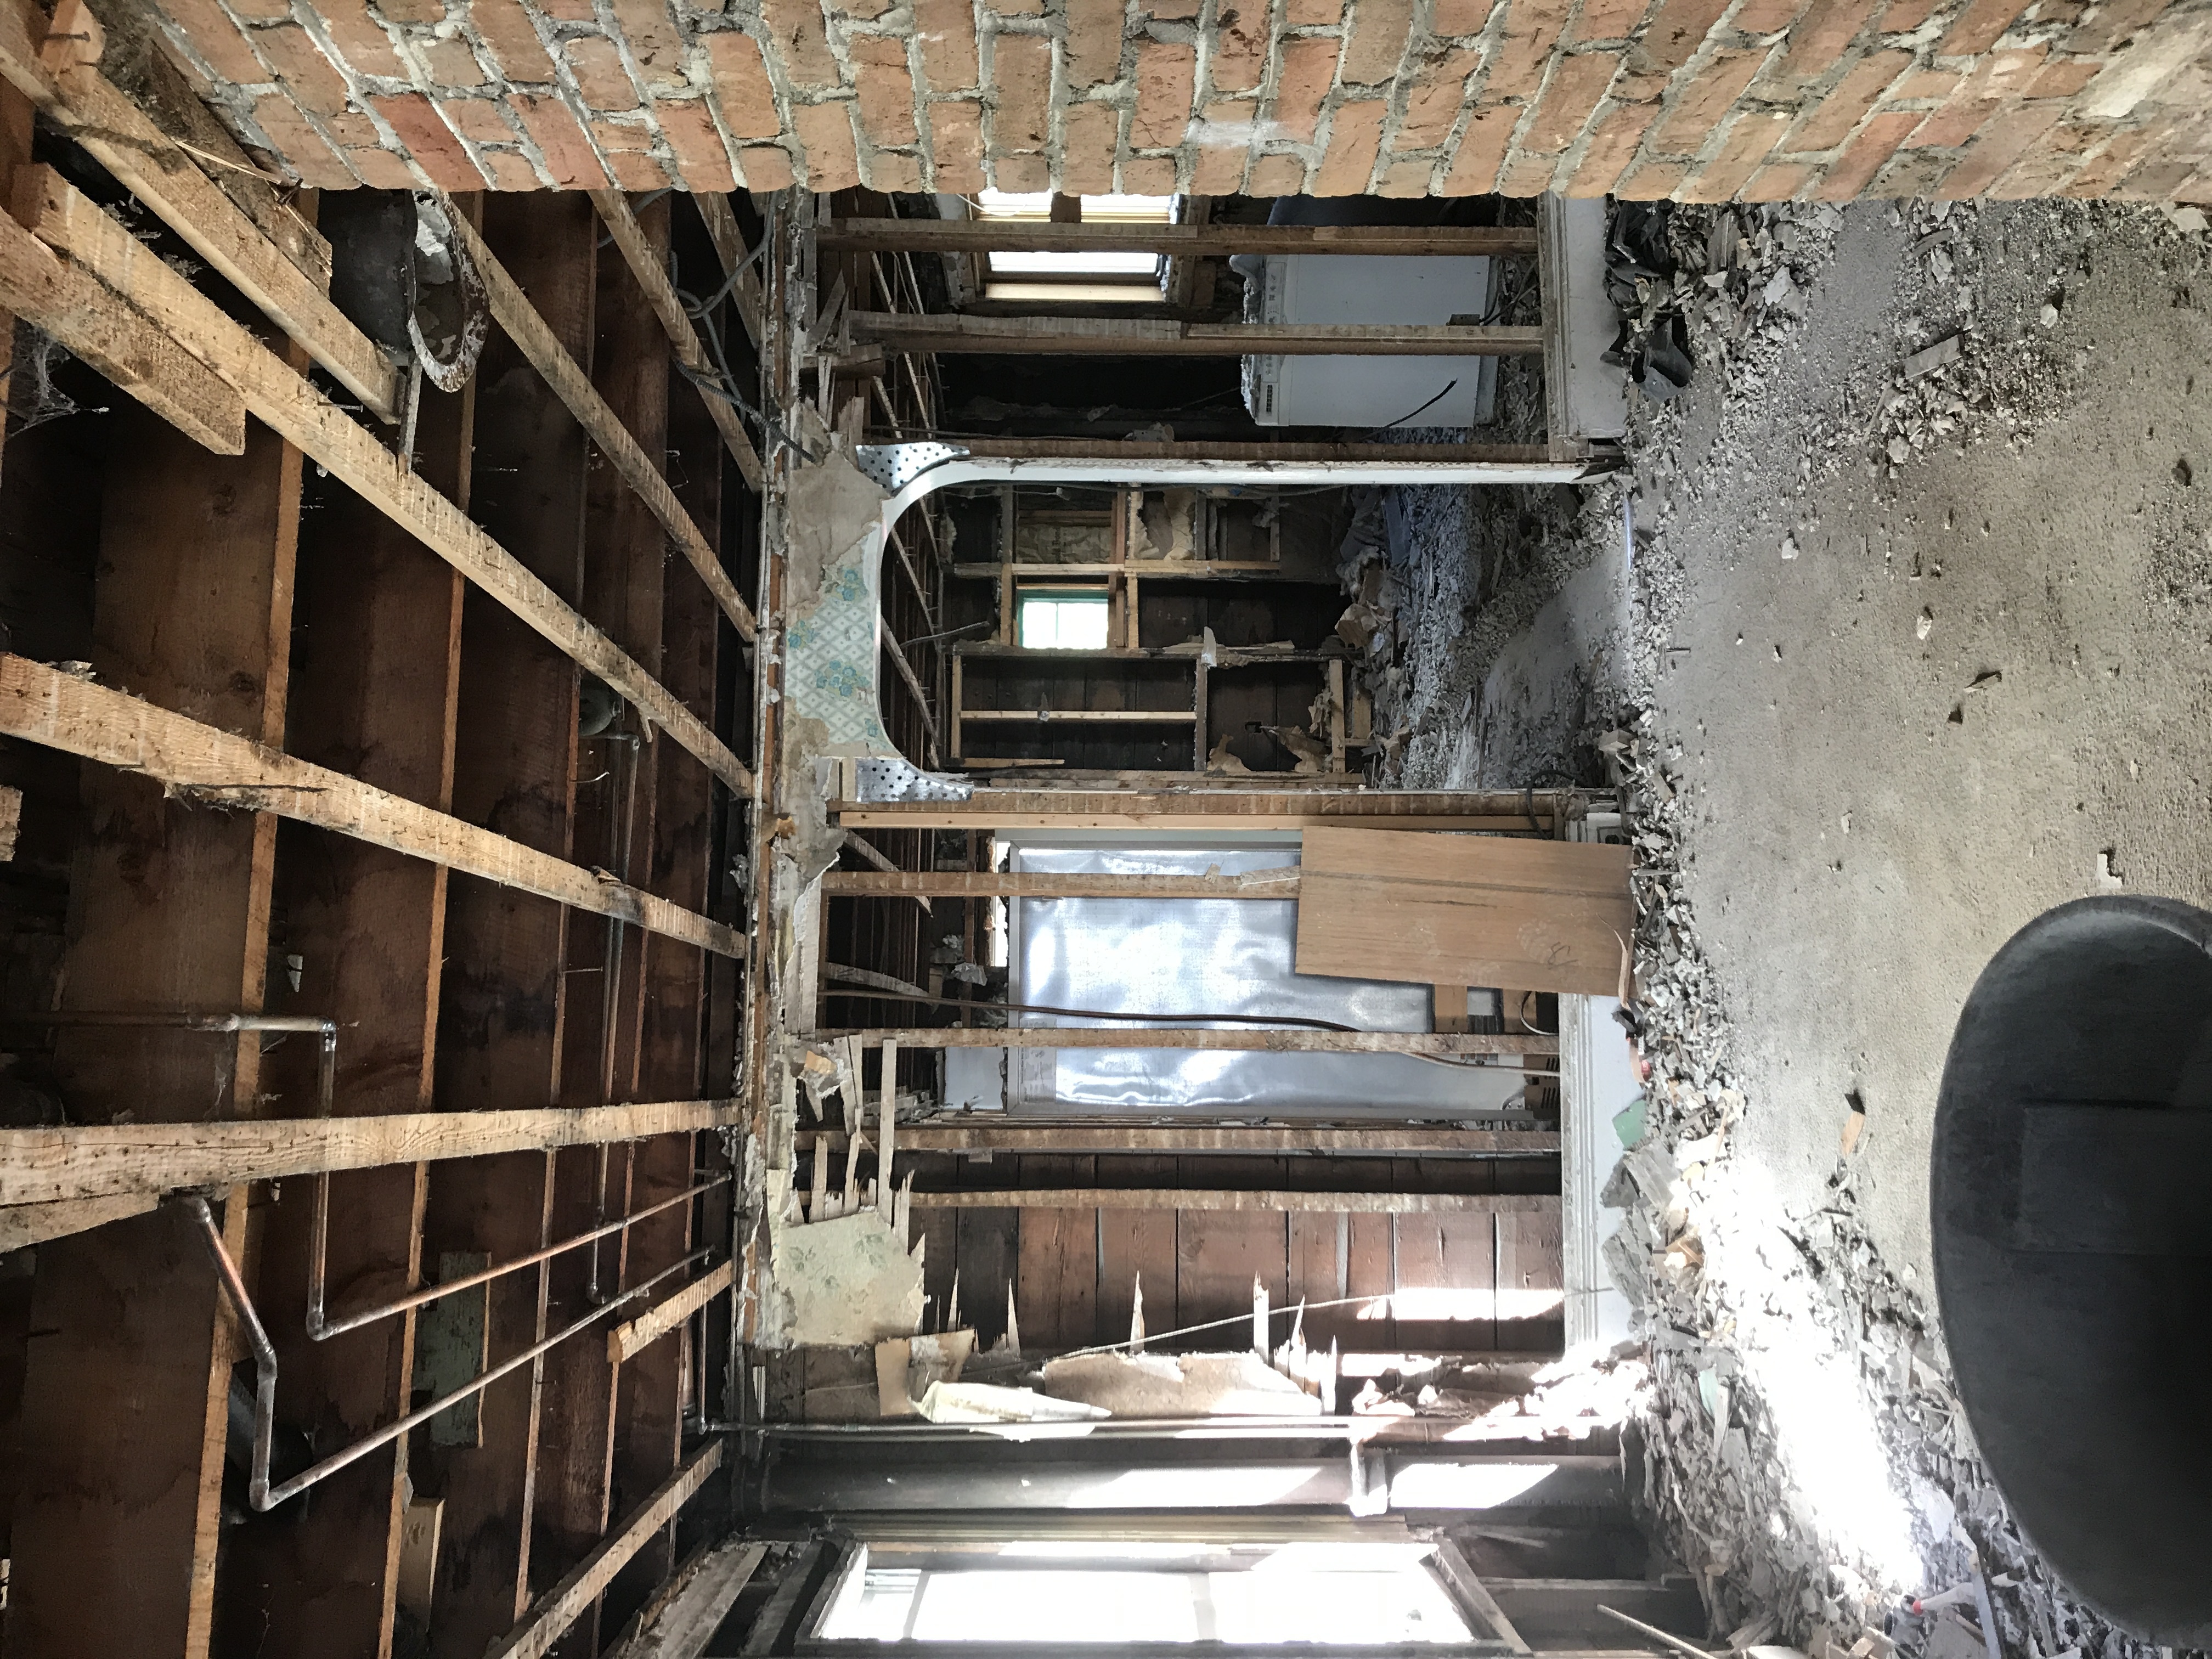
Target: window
<point>1063,621</point>
<point>1122,277</point>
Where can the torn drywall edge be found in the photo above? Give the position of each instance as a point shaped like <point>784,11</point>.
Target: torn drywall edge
<point>842,1283</point>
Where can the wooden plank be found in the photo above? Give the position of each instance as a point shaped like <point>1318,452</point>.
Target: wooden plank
<point>96,1160</point>
<point>1546,915</point>
<point>1213,809</point>
<point>22,1224</point>
<point>633,1337</point>
<point>286,402</point>
<point>956,331</point>
<point>1473,1595</point>
<point>1006,883</point>
<point>1454,1258</point>
<point>644,265</point>
<point>1094,716</point>
<point>1185,241</point>
<point>130,349</point>
<point>1056,1278</point>
<point>729,241</point>
<point>1531,1269</point>
<point>1109,1137</point>
<point>1274,1202</point>
<point>139,154</point>
<point>896,653</point>
<point>1136,1250</point>
<point>688,1620</point>
<point>1222,1248</point>
<point>511,310</point>
<point>42,704</point>
<point>1248,1039</point>
<point>559,1608</point>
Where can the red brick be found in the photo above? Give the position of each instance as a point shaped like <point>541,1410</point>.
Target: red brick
<point>1611,147</point>
<point>885,89</point>
<point>700,155</point>
<point>1090,136</point>
<point>299,64</point>
<point>1761,18</point>
<point>450,63</point>
<point>1652,181</point>
<point>1524,51</point>
<point>2154,179</point>
<point>765,168</point>
<point>1220,168</point>
<point>1750,140</point>
<point>379,169</point>
<point>1578,82</point>
<point>360,39</point>
<point>1277,175</point>
<point>1439,88</point>
<point>505,26</point>
<point>955,145</point>
<point>1094,42</point>
<point>509,170</point>
<point>1704,103</point>
<point>567,153</point>
<point>892,170</point>
<point>2107,166</point>
<point>1150,175</point>
<point>350,130</point>
<point>741,84</point>
<point>1313,14</point>
<point>637,174</point>
<point>656,42</point>
<point>621,137</point>
<point>1239,43</point>
<point>1481,151</point>
<point>2064,78</point>
<point>946,29</point>
<point>1830,121</point>
<point>262,11</point>
<point>596,62</point>
<point>1818,40</point>
<point>825,132</point>
<point>1850,174</point>
<point>1609,19</point>
<point>479,120</point>
<point>1404,179</point>
<point>1527,175</point>
<point>1978,27</point>
<point>1676,33</point>
<point>1998,145</point>
<point>1953,125</point>
<point>569,11</point>
<point>1778,181</point>
<point>2050,162</point>
<point>1377,44</point>
<point>1448,18</point>
<point>1355,137</point>
<point>1017,7</point>
<point>1021,175</point>
<point>1021,75</point>
<point>426,137</point>
<point>301,147</point>
<point>216,38</point>
<point>794,29</point>
<point>2112,25</point>
<point>1925,85</point>
<point>1307,67</point>
<point>412,11</point>
<point>1167,82</point>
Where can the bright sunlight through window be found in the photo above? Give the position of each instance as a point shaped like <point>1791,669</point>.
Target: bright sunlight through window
<point>1063,622</point>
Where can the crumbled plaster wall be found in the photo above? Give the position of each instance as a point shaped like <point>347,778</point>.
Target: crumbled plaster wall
<point>1699,100</point>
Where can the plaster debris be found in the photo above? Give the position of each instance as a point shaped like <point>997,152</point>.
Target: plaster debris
<point>845,1282</point>
<point>1178,1385</point>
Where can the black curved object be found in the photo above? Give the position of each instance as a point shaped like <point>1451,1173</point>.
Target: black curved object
<point>2071,1199</point>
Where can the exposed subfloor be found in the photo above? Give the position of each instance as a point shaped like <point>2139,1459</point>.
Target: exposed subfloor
<point>1917,659</point>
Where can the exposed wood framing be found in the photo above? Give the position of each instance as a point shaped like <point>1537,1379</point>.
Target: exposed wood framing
<point>1403,1142</point>
<point>281,398</point>
<point>510,308</point>
<point>1189,241</point>
<point>134,149</point>
<point>1209,1199</point>
<point>560,1606</point>
<point>945,331</point>
<point>91,1160</point>
<point>626,1340</point>
<point>687,1621</point>
<point>644,265</point>
<point>730,248</point>
<point>1254,1039</point>
<point>1213,809</point>
<point>44,705</point>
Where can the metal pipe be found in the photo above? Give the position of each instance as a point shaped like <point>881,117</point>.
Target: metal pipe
<point>181,1022</point>
<point>322,1329</point>
<point>259,1492</point>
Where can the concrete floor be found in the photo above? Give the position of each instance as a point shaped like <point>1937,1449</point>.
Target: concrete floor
<point>1875,811</point>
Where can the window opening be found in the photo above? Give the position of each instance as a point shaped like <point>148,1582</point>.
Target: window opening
<point>1124,277</point>
<point>1062,620</point>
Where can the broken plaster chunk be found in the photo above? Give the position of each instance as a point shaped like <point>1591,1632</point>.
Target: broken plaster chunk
<point>1928,359</point>
<point>989,1402</point>
<point>845,1281</point>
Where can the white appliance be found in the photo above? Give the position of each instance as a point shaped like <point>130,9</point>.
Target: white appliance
<point>1370,393</point>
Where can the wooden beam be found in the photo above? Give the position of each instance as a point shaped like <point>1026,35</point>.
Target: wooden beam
<point>637,1334</point>
<point>1094,716</point>
<point>897,654</point>
<point>126,346</point>
<point>139,154</point>
<point>1473,1595</point>
<point>93,1160</point>
<point>1174,570</point>
<point>873,854</point>
<point>21,1225</point>
<point>687,1621</point>
<point>1186,242</point>
<point>284,400</point>
<point>555,1610</point>
<point>1217,1198</point>
<point>42,704</point>
<point>511,310</point>
<point>1389,1140</point>
<point>1248,1040</point>
<point>1213,808</point>
<point>953,331</point>
<point>1007,884</point>
<point>730,248</point>
<point>645,264</point>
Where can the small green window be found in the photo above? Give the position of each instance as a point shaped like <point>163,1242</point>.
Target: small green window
<point>1063,621</point>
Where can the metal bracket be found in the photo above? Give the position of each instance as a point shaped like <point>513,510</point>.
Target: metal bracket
<point>883,779</point>
<point>895,466</point>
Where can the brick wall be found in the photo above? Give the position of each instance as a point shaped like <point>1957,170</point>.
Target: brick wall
<point>1699,100</point>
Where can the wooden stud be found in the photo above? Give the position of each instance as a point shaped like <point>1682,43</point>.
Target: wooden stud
<point>628,1341</point>
<point>1251,1040</point>
<point>1211,807</point>
<point>1210,1199</point>
<point>1062,1138</point>
<point>1183,241</point>
<point>730,248</point>
<point>1007,884</point>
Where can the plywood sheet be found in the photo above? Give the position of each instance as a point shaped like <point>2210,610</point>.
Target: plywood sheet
<point>1429,909</point>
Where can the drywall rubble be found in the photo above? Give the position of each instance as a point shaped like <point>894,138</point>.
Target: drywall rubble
<point>845,1281</point>
<point>1179,1385</point>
